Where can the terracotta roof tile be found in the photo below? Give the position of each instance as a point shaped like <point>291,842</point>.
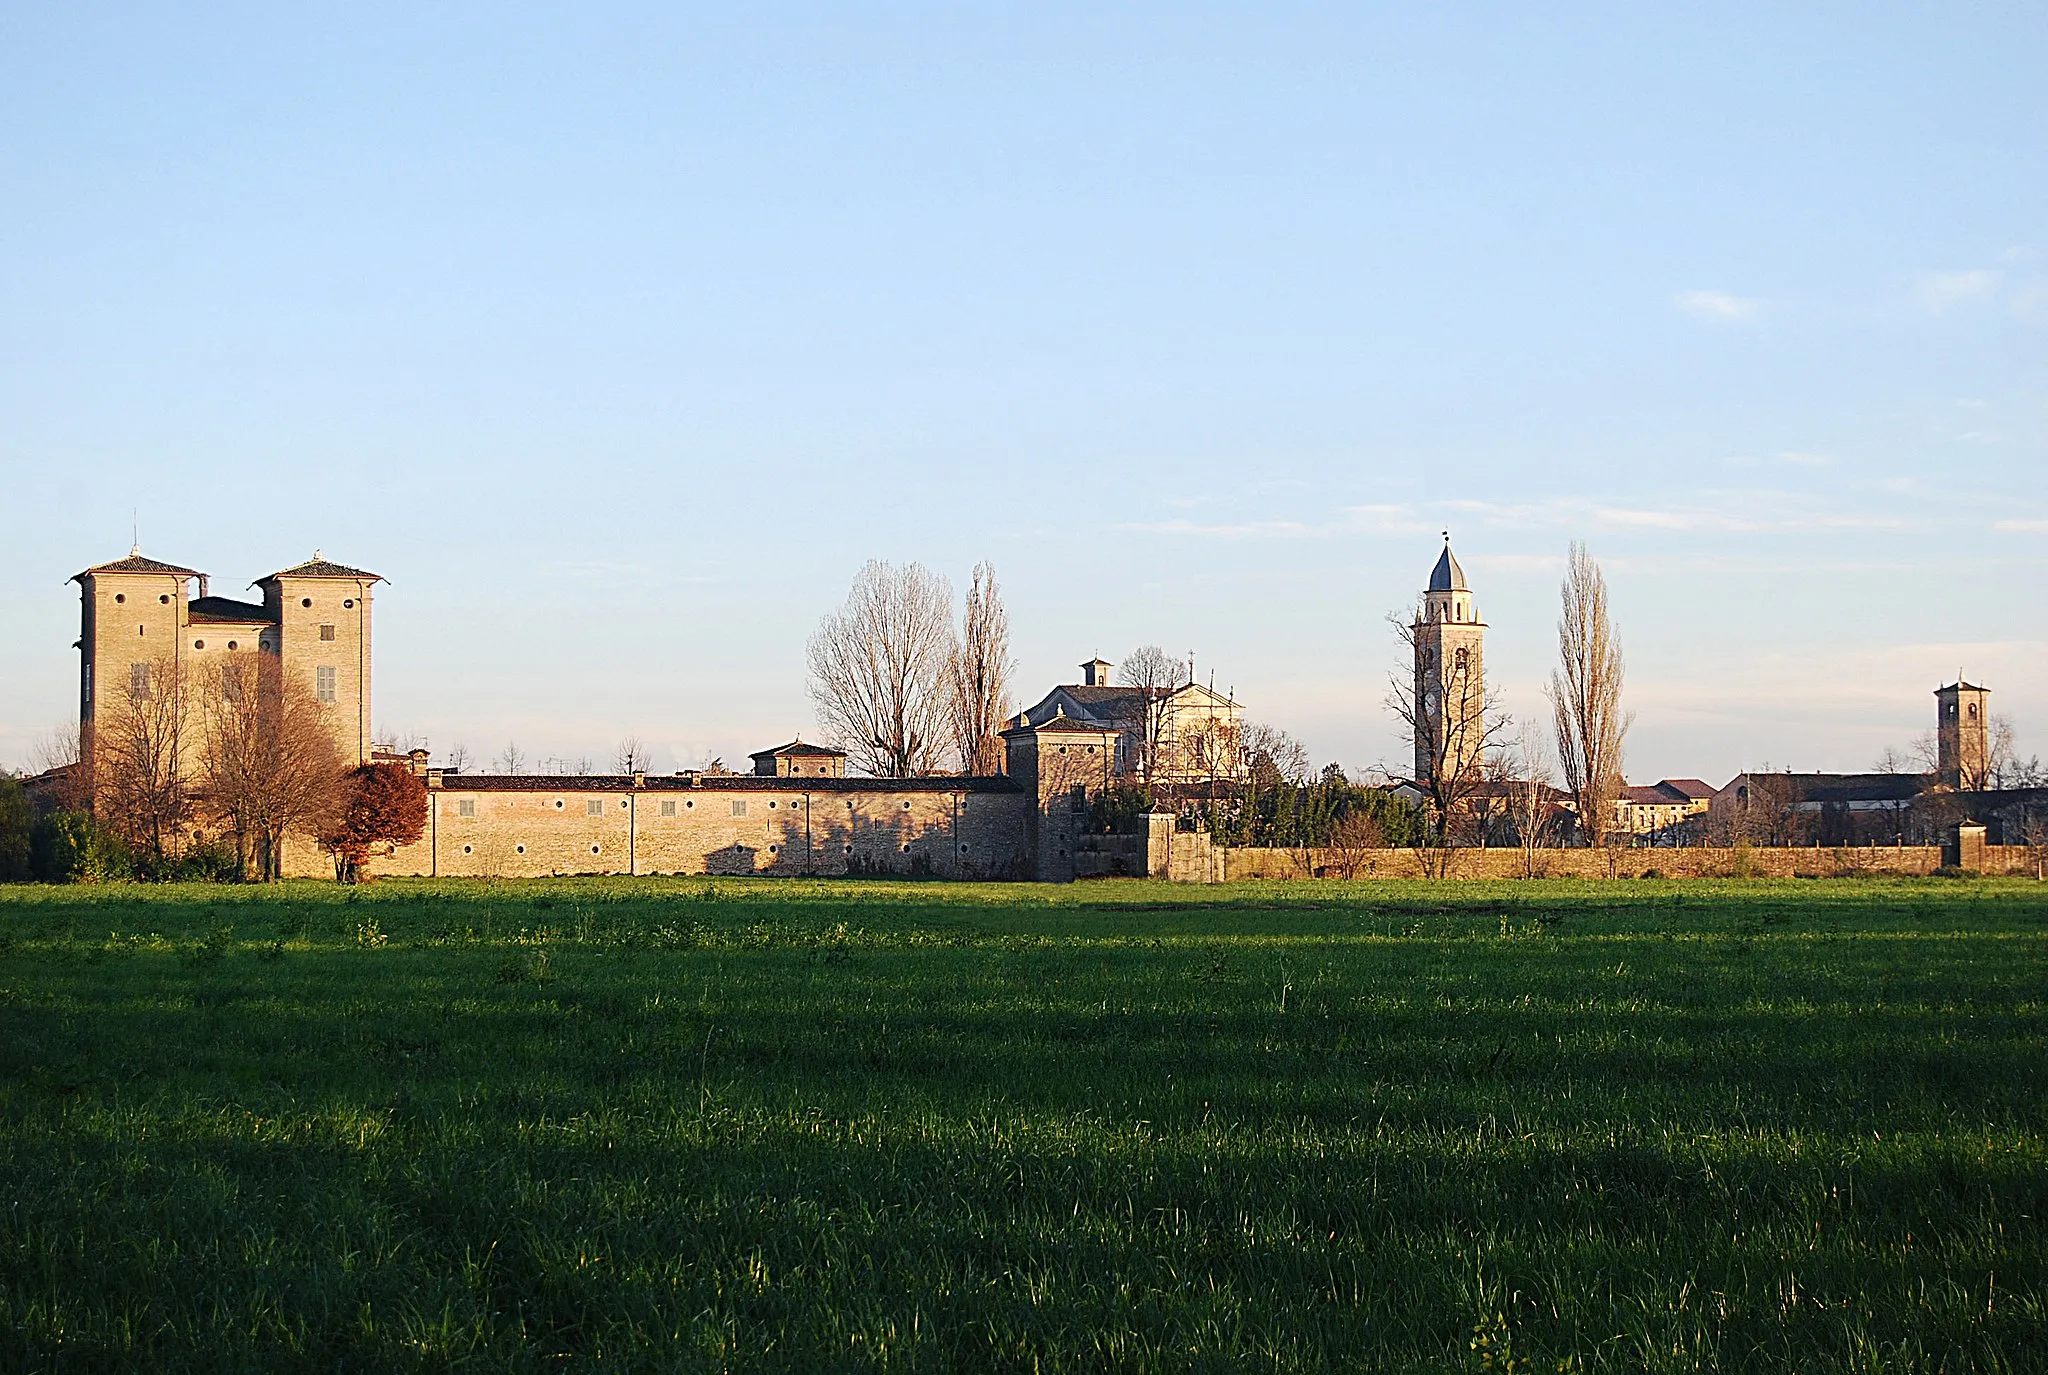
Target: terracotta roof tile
<point>321,568</point>
<point>135,563</point>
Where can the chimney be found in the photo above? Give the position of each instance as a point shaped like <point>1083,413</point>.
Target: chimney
<point>202,586</point>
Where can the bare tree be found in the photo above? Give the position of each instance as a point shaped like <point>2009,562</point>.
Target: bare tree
<point>1455,722</point>
<point>1530,809</point>
<point>978,679</point>
<point>2034,835</point>
<point>1352,842</point>
<point>1585,696</point>
<point>2001,760</point>
<point>1156,674</point>
<point>268,765</point>
<point>511,759</point>
<point>138,780</point>
<point>55,759</point>
<point>458,759</point>
<point>879,669</point>
<point>630,756</point>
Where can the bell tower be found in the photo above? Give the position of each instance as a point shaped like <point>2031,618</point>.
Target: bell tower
<point>1962,735</point>
<point>1450,672</point>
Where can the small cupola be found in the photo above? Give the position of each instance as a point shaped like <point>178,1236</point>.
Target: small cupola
<point>1095,673</point>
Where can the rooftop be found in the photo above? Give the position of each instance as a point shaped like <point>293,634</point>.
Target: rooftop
<point>135,563</point>
<point>797,748</point>
<point>568,785</point>
<point>317,567</point>
<point>229,611</point>
<point>1447,576</point>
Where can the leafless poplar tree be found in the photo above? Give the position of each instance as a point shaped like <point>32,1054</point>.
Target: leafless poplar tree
<point>1529,805</point>
<point>138,781</point>
<point>1456,721</point>
<point>1156,674</point>
<point>511,759</point>
<point>1585,696</point>
<point>879,670</point>
<point>268,765</point>
<point>978,679</point>
<point>458,759</point>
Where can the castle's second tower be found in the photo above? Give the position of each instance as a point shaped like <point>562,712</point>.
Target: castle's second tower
<point>1962,735</point>
<point>322,614</point>
<point>1450,673</point>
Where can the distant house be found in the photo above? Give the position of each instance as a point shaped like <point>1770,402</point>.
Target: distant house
<point>799,760</point>
<point>1654,807</point>
<point>1194,731</point>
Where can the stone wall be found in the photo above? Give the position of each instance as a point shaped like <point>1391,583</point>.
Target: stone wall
<point>538,826</point>
<point>1702,862</point>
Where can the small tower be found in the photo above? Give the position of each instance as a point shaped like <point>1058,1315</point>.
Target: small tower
<point>322,614</point>
<point>1450,672</point>
<point>1962,735</point>
<point>132,616</point>
<point>1062,763</point>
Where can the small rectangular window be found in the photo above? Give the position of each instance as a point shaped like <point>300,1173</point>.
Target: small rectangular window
<point>138,681</point>
<point>466,807</point>
<point>739,806</point>
<point>668,807</point>
<point>326,632</point>
<point>594,807</point>
<point>323,684</point>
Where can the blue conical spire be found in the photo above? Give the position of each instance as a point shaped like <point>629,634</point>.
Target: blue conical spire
<point>1447,576</point>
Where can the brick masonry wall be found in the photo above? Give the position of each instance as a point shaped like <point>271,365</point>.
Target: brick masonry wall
<point>540,832</point>
<point>1701,862</point>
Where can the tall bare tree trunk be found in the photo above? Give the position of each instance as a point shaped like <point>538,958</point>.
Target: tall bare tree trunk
<point>979,676</point>
<point>879,668</point>
<point>139,785</point>
<point>1585,696</point>
<point>1157,675</point>
<point>269,767</point>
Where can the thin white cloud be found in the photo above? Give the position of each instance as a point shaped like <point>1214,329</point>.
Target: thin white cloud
<point>1740,511</point>
<point>1939,291</point>
<point>2023,527</point>
<point>1804,460</point>
<point>1716,305</point>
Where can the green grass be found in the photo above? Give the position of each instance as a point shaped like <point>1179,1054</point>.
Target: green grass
<point>783,1125</point>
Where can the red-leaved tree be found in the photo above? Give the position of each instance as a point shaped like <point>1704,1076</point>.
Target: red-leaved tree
<point>386,803</point>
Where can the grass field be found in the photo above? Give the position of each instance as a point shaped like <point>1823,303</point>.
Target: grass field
<point>783,1125</point>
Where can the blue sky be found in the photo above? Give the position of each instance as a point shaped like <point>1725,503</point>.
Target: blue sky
<point>618,338</point>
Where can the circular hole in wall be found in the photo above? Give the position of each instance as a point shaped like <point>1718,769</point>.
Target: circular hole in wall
<point>305,601</point>
<point>120,597</point>
<point>518,849</point>
<point>231,644</point>
<point>199,644</point>
<point>348,604</point>
<point>593,849</point>
<point>469,849</point>
<point>165,599</point>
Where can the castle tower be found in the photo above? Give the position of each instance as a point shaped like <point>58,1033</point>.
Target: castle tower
<point>132,617</point>
<point>1962,735</point>
<point>1450,673</point>
<point>321,612</point>
<point>1062,763</point>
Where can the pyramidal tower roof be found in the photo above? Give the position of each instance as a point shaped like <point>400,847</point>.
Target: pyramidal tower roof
<point>1447,576</point>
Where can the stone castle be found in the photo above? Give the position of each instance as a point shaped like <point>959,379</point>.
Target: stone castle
<point>797,812</point>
